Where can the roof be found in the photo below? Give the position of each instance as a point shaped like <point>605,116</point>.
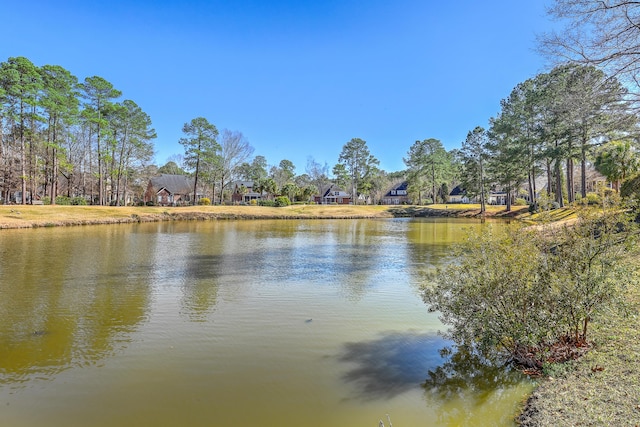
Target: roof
<point>174,184</point>
<point>331,188</point>
<point>458,191</point>
<point>401,186</point>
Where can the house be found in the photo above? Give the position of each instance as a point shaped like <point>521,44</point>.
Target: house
<point>333,195</point>
<point>397,195</point>
<point>170,190</point>
<point>243,192</point>
<point>497,197</point>
<point>458,195</point>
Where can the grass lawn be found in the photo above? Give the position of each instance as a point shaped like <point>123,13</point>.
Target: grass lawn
<point>26,216</point>
<point>603,387</point>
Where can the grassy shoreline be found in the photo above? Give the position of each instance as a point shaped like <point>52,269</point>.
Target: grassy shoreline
<point>603,387</point>
<point>28,216</point>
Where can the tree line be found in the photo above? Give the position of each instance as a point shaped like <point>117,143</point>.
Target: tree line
<point>65,139</point>
<point>60,137</point>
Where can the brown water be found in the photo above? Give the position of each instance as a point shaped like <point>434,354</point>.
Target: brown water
<point>247,323</point>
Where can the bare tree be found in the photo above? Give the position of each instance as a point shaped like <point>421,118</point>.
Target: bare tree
<point>604,33</point>
<point>235,150</point>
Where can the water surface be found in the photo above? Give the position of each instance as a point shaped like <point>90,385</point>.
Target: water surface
<point>235,323</point>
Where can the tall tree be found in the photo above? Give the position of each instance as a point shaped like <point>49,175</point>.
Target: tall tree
<point>99,93</point>
<point>318,174</point>
<point>475,156</point>
<point>22,84</point>
<point>597,107</point>
<point>234,150</point>
<point>200,146</point>
<point>254,171</point>
<point>171,168</point>
<point>132,146</point>
<point>358,162</point>
<point>283,173</point>
<point>60,103</point>
<point>428,162</point>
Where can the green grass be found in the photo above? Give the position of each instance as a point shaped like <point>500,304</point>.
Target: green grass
<point>603,387</point>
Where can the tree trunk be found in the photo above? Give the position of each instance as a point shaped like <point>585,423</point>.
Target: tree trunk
<point>549,178</point>
<point>558,176</point>
<point>583,171</point>
<point>570,187</point>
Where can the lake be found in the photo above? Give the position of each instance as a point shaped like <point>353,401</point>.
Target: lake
<point>236,323</point>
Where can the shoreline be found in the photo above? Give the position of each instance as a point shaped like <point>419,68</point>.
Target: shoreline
<point>38,216</point>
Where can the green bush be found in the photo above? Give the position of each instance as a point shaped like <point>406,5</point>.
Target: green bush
<point>520,202</point>
<point>253,202</point>
<point>519,293</point>
<point>151,203</point>
<point>268,203</point>
<point>205,201</point>
<point>63,200</point>
<point>46,200</point>
<point>281,201</point>
<point>593,199</point>
<point>79,201</point>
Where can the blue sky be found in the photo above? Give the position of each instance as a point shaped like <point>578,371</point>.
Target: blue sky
<point>297,78</point>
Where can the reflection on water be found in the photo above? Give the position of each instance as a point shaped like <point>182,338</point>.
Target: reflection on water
<point>270,323</point>
<point>392,363</point>
<point>465,383</point>
<point>65,305</point>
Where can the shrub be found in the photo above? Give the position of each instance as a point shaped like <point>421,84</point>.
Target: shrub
<point>281,201</point>
<point>253,202</point>
<point>521,292</point>
<point>269,203</point>
<point>46,200</point>
<point>63,200</point>
<point>79,201</point>
<point>593,199</point>
<point>151,203</point>
<point>520,202</point>
<point>205,201</point>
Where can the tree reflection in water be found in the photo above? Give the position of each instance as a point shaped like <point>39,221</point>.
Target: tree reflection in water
<point>470,381</point>
<point>392,364</point>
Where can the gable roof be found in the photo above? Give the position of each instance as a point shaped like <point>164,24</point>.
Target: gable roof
<point>458,191</point>
<point>174,184</point>
<point>331,188</point>
<point>402,186</point>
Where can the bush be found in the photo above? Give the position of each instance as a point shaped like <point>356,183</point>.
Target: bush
<point>63,200</point>
<point>522,292</point>
<point>151,203</point>
<point>46,200</point>
<point>269,203</point>
<point>79,201</point>
<point>281,201</point>
<point>253,202</point>
<point>205,201</point>
<point>520,202</point>
<point>593,199</point>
